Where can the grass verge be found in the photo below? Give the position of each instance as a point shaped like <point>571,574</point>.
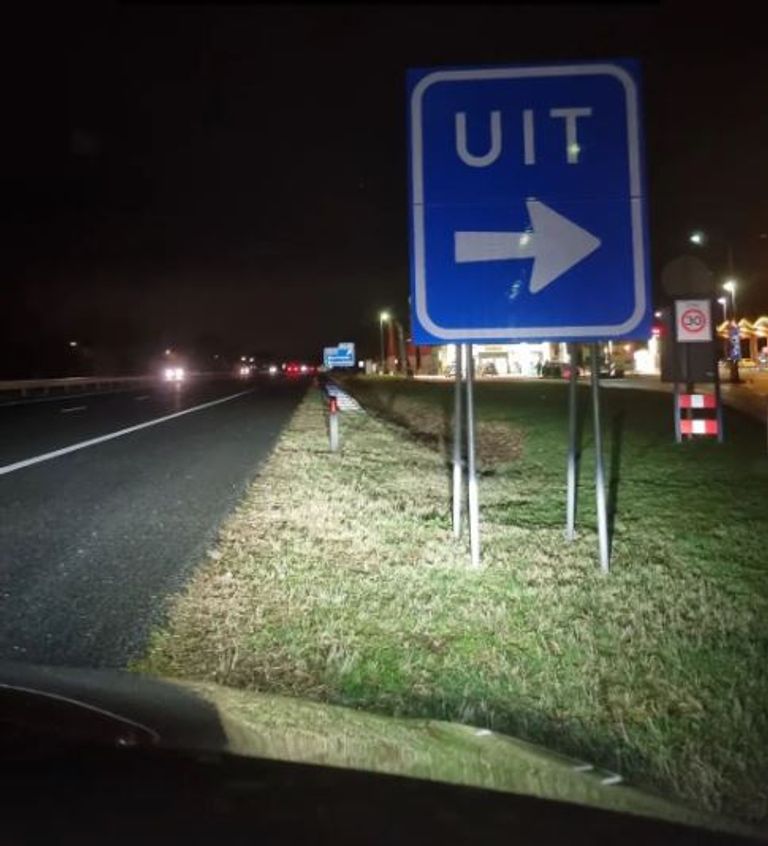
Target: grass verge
<point>338,580</point>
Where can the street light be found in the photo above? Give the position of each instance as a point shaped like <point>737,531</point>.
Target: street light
<point>382,318</point>
<point>730,286</point>
<point>73,344</point>
<point>699,238</point>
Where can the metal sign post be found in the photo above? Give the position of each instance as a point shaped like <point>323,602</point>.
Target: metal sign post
<point>474,513</point>
<point>693,359</point>
<point>719,402</point>
<point>457,469</point>
<point>333,423</point>
<point>570,523</point>
<point>540,241</point>
<point>600,499</point>
<point>689,385</point>
<point>676,409</point>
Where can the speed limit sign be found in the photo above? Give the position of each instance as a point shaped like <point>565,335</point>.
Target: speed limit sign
<point>693,321</point>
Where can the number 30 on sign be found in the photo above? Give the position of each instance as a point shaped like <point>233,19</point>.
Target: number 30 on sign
<point>693,321</point>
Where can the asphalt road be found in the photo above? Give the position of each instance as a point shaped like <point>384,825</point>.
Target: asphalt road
<point>94,540</point>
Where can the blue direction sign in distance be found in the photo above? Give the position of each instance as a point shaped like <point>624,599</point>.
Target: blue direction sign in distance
<point>734,343</point>
<point>342,355</point>
<point>527,208</point>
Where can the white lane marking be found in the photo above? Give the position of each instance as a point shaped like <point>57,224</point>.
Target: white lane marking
<point>139,399</point>
<point>72,408</point>
<point>37,459</point>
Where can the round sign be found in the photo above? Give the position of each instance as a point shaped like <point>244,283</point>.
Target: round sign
<point>693,320</point>
<point>687,276</point>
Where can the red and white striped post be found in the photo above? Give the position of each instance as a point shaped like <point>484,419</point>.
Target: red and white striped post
<point>333,423</point>
<point>708,426</point>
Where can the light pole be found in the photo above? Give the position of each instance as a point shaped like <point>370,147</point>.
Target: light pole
<point>384,316</point>
<point>730,286</point>
<point>401,351</point>
<point>75,362</point>
<point>724,303</point>
<point>700,238</point>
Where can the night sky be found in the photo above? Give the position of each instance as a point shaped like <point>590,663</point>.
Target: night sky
<point>236,179</point>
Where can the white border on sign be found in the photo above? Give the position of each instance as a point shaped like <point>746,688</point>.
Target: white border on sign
<point>685,335</point>
<point>417,185</point>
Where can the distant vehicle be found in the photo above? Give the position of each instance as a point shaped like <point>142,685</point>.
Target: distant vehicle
<point>172,366</point>
<point>611,371</point>
<point>553,370</point>
<point>295,369</point>
<point>559,370</point>
<point>562,370</point>
<point>489,369</point>
<point>174,374</point>
<point>244,371</point>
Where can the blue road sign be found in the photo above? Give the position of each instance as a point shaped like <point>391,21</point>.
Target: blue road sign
<point>527,209</point>
<point>342,355</point>
<point>734,343</point>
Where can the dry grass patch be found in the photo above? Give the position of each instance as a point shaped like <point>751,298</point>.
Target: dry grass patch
<point>338,579</point>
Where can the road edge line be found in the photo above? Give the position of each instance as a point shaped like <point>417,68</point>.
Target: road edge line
<point>47,456</point>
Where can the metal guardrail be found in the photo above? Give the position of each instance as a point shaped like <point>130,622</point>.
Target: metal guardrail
<point>74,384</point>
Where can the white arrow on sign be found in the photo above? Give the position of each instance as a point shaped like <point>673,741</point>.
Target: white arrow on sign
<point>554,243</point>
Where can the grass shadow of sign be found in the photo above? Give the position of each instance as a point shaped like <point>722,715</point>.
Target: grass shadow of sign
<point>581,438</point>
<point>584,438</point>
<point>614,477</point>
